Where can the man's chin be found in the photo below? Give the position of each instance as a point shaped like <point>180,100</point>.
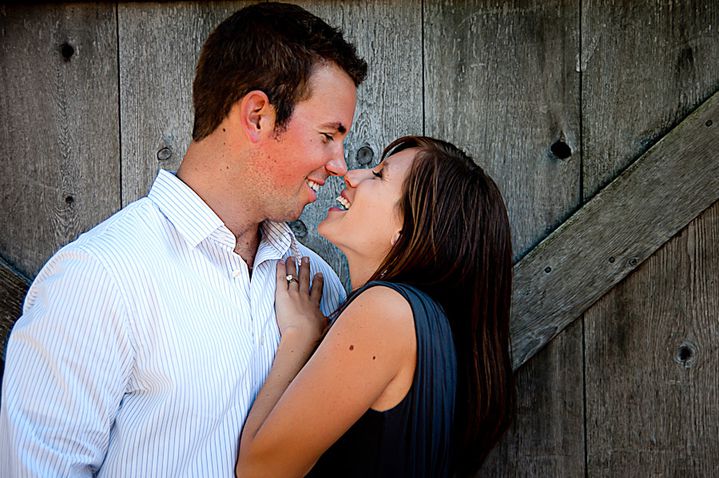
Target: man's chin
<point>289,216</point>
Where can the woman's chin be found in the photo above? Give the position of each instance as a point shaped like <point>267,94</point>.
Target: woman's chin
<point>324,229</point>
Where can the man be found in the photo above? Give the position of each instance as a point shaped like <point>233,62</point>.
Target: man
<point>143,343</point>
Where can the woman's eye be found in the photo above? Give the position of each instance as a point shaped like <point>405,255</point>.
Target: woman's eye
<point>377,174</point>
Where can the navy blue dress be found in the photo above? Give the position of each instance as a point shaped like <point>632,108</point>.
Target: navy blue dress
<point>413,439</point>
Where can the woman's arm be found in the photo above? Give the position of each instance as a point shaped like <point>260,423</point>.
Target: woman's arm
<point>300,412</point>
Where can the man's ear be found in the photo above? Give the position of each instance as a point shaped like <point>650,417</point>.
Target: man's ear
<point>255,114</point>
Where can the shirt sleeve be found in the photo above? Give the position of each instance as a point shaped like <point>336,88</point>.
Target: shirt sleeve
<point>68,362</point>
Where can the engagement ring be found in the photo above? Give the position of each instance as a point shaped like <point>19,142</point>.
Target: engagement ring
<point>291,278</point>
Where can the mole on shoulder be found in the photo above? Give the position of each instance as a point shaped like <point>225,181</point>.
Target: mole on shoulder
<point>352,347</point>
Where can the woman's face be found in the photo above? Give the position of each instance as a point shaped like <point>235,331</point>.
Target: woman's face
<point>368,221</point>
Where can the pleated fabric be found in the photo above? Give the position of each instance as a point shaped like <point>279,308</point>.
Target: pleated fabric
<point>413,439</point>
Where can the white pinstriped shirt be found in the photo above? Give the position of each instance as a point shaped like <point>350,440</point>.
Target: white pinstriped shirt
<point>143,343</point>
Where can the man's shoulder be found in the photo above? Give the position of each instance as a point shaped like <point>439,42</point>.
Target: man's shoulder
<point>131,232</point>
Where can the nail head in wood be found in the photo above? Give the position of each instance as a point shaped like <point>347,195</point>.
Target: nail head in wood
<point>365,155</point>
<point>164,154</point>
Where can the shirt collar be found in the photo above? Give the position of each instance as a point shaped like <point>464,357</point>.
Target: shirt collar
<point>277,241</point>
<point>196,221</point>
<point>190,215</point>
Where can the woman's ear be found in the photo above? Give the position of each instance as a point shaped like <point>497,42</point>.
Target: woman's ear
<point>255,115</point>
<point>396,236</point>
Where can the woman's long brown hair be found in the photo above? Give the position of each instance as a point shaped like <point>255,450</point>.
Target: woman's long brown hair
<point>456,246</point>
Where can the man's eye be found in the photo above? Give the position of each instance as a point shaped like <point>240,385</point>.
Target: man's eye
<point>327,137</point>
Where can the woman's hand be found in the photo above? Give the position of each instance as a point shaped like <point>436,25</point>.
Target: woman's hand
<point>297,305</point>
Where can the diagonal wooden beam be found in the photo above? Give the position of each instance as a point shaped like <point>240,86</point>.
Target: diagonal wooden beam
<point>13,287</point>
<point>625,223</point>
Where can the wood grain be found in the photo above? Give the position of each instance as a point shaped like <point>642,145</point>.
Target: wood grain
<point>652,341</point>
<point>500,81</point>
<point>159,47</point>
<point>652,361</point>
<point>617,230</point>
<point>59,137</point>
<point>645,65</point>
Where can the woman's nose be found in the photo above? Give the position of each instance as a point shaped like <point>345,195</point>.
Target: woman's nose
<point>355,176</point>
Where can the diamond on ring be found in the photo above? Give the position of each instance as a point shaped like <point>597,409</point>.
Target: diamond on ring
<point>290,278</point>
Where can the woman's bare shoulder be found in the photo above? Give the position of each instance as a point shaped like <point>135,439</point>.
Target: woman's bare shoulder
<point>380,310</point>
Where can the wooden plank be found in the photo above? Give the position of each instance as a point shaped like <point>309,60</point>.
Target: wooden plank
<point>616,231</point>
<point>160,44</point>
<point>645,65</point>
<point>500,81</point>
<point>650,341</point>
<point>652,363</point>
<point>546,439</point>
<point>58,126</point>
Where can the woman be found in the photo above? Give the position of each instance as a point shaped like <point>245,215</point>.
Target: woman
<point>414,377</point>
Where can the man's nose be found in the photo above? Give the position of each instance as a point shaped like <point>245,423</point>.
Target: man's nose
<point>337,166</point>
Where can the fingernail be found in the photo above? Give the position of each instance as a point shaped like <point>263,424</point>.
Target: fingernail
<point>305,259</point>
<point>319,274</point>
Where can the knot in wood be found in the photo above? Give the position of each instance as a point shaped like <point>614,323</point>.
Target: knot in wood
<point>67,50</point>
<point>561,149</point>
<point>686,355</point>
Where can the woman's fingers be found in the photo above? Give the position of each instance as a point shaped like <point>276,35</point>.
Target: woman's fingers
<point>305,275</point>
<point>316,294</point>
<point>291,272</point>
<point>301,279</point>
<point>281,274</point>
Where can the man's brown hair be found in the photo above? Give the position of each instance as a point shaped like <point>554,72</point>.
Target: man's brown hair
<point>272,47</point>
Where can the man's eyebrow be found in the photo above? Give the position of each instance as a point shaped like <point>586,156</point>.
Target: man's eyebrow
<point>336,125</point>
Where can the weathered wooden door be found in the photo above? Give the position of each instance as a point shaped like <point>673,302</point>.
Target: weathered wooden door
<point>556,99</point>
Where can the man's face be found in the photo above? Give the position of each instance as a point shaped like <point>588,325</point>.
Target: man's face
<point>293,163</point>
